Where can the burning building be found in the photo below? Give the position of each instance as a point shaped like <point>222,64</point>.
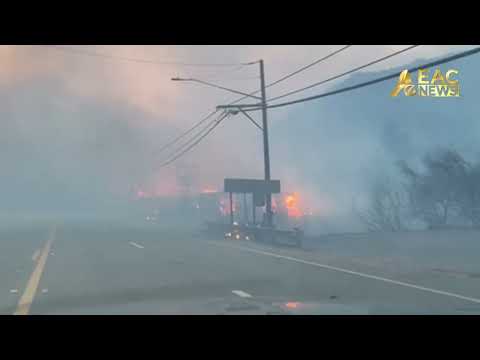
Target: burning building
<point>211,205</point>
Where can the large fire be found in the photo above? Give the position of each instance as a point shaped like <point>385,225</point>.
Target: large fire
<point>293,205</point>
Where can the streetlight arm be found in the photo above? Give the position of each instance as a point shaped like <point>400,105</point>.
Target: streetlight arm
<point>238,106</point>
<point>217,86</point>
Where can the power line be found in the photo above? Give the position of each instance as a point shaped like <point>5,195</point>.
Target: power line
<point>371,82</point>
<point>181,136</point>
<point>194,137</point>
<point>309,65</point>
<point>215,76</point>
<point>200,134</point>
<point>255,92</point>
<point>345,89</point>
<point>145,61</point>
<point>109,56</point>
<point>295,72</point>
<point>218,121</point>
<point>233,78</point>
<point>345,73</point>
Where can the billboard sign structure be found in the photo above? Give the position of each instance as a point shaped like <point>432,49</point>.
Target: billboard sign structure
<point>259,199</point>
<point>258,189</point>
<point>252,186</point>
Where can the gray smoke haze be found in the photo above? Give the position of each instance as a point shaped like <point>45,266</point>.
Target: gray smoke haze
<point>349,141</point>
<point>79,135</point>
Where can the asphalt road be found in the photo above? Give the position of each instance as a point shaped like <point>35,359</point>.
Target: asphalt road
<point>113,269</point>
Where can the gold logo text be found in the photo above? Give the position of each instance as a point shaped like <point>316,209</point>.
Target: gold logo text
<point>438,85</point>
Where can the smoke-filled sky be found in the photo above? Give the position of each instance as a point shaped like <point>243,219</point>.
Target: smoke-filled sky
<point>77,129</point>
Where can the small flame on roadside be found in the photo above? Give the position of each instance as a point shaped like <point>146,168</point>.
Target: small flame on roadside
<point>292,305</point>
<point>209,191</point>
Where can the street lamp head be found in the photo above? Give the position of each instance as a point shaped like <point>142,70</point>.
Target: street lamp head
<point>182,79</point>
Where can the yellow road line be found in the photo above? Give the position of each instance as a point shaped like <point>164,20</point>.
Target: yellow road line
<point>26,300</point>
<point>35,256</point>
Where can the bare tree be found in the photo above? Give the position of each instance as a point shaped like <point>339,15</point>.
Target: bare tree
<point>469,199</point>
<point>446,191</point>
<point>436,194</point>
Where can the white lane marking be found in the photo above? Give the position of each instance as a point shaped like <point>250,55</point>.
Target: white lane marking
<point>44,291</point>
<point>346,271</point>
<point>136,245</point>
<point>241,293</point>
<point>13,291</point>
<point>35,255</point>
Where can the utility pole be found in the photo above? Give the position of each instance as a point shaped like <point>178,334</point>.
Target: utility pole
<point>254,211</point>
<point>231,209</point>
<point>245,209</point>
<point>266,152</point>
<point>264,128</point>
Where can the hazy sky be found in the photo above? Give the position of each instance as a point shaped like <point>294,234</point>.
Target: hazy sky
<point>83,126</point>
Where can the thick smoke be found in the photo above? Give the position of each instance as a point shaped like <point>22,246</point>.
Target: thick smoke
<point>81,135</point>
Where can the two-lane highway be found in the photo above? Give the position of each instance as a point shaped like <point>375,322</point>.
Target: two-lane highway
<point>119,270</point>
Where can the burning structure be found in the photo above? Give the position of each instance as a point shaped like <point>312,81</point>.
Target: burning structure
<point>210,205</point>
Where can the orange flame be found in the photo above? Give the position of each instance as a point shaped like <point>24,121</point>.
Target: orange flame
<point>292,305</point>
<point>291,203</point>
<point>209,191</point>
